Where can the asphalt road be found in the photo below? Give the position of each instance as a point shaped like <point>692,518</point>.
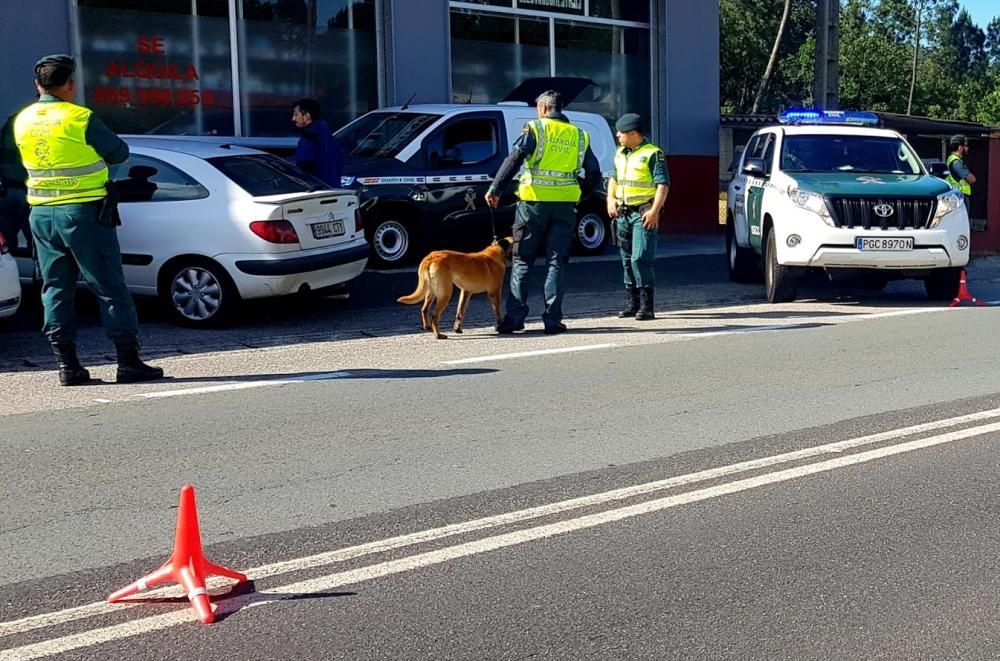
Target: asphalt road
<point>331,466</point>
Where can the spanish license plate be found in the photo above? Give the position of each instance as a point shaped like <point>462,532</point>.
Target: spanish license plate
<point>884,243</point>
<point>327,229</point>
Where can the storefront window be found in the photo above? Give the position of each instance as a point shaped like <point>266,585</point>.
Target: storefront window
<point>623,10</point>
<point>615,58</point>
<point>291,49</point>
<point>492,54</point>
<point>158,66</point>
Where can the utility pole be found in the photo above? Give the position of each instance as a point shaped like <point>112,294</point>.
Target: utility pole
<point>826,92</point>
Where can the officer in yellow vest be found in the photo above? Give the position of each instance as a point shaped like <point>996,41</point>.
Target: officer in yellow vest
<point>958,173</point>
<point>550,154</point>
<point>66,152</point>
<point>636,193</point>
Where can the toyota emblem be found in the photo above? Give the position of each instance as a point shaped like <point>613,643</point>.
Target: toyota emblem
<point>883,210</point>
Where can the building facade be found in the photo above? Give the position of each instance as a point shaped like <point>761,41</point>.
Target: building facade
<point>233,67</point>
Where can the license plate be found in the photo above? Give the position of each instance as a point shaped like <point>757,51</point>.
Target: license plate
<point>884,243</point>
<point>327,229</point>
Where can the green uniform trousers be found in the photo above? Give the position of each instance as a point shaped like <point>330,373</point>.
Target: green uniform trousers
<point>540,228</point>
<point>637,246</point>
<point>70,243</point>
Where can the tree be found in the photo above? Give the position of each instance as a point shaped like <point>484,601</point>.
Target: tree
<point>774,56</point>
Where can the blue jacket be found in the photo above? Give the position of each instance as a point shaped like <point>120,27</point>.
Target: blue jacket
<point>318,153</point>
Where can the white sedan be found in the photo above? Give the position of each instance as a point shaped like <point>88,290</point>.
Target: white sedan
<point>10,287</point>
<point>206,225</point>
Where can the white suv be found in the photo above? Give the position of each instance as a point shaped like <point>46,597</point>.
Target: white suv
<point>847,197</point>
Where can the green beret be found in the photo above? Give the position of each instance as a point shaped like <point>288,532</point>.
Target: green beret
<point>957,140</point>
<point>629,122</point>
<point>58,60</point>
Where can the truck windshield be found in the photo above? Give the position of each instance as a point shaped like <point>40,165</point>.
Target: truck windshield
<point>848,153</point>
<point>383,134</point>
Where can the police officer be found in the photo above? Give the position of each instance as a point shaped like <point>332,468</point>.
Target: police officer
<point>958,173</point>
<point>550,153</point>
<point>66,152</point>
<point>636,193</point>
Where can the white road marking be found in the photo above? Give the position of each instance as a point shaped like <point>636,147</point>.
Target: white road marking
<point>326,583</point>
<point>331,557</point>
<point>527,354</point>
<point>243,385</point>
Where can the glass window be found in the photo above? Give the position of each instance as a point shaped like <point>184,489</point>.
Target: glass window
<point>465,142</point>
<point>615,58</point>
<point>383,134</point>
<point>157,65</point>
<point>491,55</point>
<point>146,179</point>
<point>266,174</point>
<point>841,153</point>
<point>321,49</point>
<point>625,10</point>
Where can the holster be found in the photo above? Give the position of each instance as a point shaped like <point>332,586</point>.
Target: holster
<point>107,213</point>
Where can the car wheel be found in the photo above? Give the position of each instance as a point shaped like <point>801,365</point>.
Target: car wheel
<point>198,293</point>
<point>942,284</point>
<point>741,262</point>
<point>780,281</point>
<point>392,242</point>
<point>591,232</point>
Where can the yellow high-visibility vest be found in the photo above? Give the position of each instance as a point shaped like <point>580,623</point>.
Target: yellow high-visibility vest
<point>550,173</point>
<point>62,167</point>
<point>962,184</point>
<point>633,175</point>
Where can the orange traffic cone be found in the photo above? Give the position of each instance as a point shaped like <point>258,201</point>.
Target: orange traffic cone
<point>187,565</point>
<point>963,294</point>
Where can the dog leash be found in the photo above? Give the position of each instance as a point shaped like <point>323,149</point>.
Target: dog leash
<point>493,224</point>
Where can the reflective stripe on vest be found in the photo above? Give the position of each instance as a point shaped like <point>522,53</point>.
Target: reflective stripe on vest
<point>62,167</point>
<point>633,176</point>
<point>960,184</point>
<point>550,173</point>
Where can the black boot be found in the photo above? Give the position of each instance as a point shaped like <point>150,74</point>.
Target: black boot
<point>71,372</point>
<point>631,303</point>
<point>131,369</point>
<point>645,304</point>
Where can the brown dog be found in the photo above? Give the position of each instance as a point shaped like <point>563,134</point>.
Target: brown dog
<point>473,273</point>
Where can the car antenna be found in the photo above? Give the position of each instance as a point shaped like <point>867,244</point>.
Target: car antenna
<point>407,104</point>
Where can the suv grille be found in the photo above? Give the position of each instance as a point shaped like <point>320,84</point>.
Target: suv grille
<point>861,212</point>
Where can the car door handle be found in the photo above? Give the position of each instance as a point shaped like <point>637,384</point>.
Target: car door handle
<point>737,188</point>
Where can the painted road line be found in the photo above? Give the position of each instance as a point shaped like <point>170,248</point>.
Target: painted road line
<point>352,577</point>
<point>33,622</point>
<point>244,385</point>
<point>528,354</point>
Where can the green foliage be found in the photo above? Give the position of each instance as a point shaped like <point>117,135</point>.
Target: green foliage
<point>958,63</point>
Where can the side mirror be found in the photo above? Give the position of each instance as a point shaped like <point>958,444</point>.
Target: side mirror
<point>755,167</point>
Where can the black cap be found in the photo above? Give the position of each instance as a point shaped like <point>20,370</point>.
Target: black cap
<point>57,59</point>
<point>957,140</point>
<point>629,122</point>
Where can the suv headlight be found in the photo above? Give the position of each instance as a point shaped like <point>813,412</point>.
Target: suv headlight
<point>811,201</point>
<point>946,203</point>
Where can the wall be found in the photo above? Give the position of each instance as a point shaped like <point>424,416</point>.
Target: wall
<point>417,51</point>
<point>28,30</point>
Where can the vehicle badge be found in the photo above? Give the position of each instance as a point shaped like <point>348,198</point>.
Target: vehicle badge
<point>331,216</point>
<point>883,210</point>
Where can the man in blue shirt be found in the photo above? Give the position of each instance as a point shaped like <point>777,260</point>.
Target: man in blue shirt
<point>318,152</point>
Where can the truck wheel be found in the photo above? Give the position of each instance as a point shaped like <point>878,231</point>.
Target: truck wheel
<point>392,242</point>
<point>780,281</point>
<point>741,262</point>
<point>942,284</point>
<point>591,232</point>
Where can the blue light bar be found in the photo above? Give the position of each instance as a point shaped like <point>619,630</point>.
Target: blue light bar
<point>852,117</point>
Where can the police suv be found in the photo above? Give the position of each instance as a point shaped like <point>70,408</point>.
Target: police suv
<point>422,172</point>
<point>830,190</point>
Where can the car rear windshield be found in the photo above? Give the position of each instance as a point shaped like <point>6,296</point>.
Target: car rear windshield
<point>383,134</point>
<point>266,174</point>
<point>848,153</point>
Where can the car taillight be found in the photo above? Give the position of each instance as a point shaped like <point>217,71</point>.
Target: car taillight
<point>275,231</point>
<point>359,225</point>
<point>3,245</point>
